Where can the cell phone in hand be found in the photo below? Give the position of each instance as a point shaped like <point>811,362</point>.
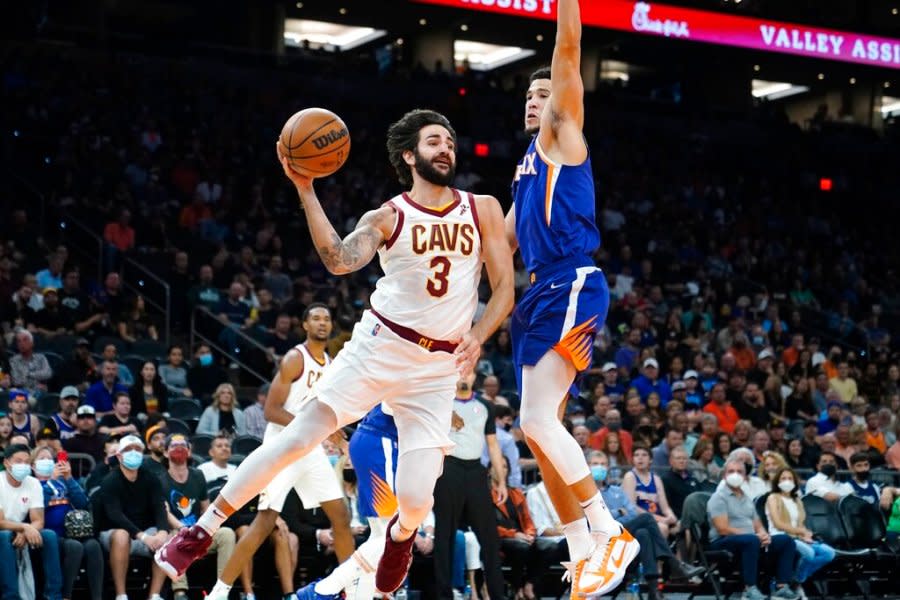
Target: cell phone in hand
<point>62,456</point>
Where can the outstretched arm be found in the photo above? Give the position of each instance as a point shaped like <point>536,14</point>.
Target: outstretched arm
<point>341,256</point>
<point>563,120</point>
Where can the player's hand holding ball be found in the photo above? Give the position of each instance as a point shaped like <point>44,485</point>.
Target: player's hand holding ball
<point>313,143</point>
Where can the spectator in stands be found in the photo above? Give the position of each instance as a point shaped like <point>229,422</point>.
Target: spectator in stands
<point>760,445</point>
<point>503,420</point>
<point>770,463</point>
<point>205,375</point>
<point>627,355</point>
<point>51,321</point>
<point>860,482</point>
<point>843,384</point>
<point>736,527</point>
<point>282,338</point>
<point>187,498</point>
<point>799,405</point>
<point>111,299</point>
<point>64,421</point>
<point>615,453</point>
<point>80,370</point>
<point>77,306</point>
<point>786,515</point>
<point>753,487</point>
<point>613,423</point>
<point>649,381</point>
<point>642,526</point>
<point>87,440</point>
<point>119,234</point>
<point>132,516</point>
<point>702,464</point>
<point>678,481</point>
<point>120,422</point>
<point>5,431</point>
<point>875,438</point>
<point>218,467</point>
<point>634,408</point>
<point>173,373</point>
<point>21,523</point>
<point>892,456</point>
<point>101,395</point>
<point>135,324</point>
<point>828,443</point>
<point>277,282</point>
<point>524,552</point>
<point>23,422</point>
<point>125,376</point>
<point>204,292</point>
<point>752,406</point>
<point>825,483</point>
<point>721,408</point>
<point>742,434</point>
<point>602,405</point>
<point>51,277</point>
<point>722,448</point>
<point>156,436</point>
<point>673,439</point>
<point>645,489</point>
<point>234,314</point>
<point>223,415</point>
<point>148,394</point>
<point>29,370</point>
<point>63,494</point>
<point>694,393</point>
<point>254,415</point>
<point>102,469</point>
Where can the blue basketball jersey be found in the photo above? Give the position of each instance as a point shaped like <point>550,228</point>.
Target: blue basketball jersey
<point>555,211</point>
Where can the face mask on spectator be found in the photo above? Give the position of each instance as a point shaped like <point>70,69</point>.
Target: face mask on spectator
<point>333,458</point>
<point>734,480</point>
<point>43,467</point>
<point>350,476</point>
<point>829,470</point>
<point>179,455</point>
<point>614,426</point>
<point>205,360</point>
<point>20,471</point>
<point>598,472</point>
<point>786,486</point>
<point>578,421</point>
<point>132,459</point>
<point>758,340</point>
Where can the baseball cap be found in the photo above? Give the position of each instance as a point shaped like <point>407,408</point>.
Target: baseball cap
<point>777,424</point>
<point>18,395</point>
<point>49,290</point>
<point>691,374</point>
<point>678,385</point>
<point>86,410</point>
<point>610,366</point>
<point>151,431</point>
<point>130,440</point>
<point>69,391</point>
<point>82,342</point>
<point>651,362</point>
<point>765,353</point>
<point>835,403</point>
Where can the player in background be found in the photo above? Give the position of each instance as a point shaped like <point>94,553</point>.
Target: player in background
<point>373,452</point>
<point>312,476</point>
<point>552,222</point>
<point>408,350</point>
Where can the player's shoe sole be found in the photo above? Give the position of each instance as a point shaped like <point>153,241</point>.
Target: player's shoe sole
<point>605,567</point>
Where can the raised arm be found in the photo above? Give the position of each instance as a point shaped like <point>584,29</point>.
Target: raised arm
<point>341,256</point>
<point>498,260</point>
<point>563,120</point>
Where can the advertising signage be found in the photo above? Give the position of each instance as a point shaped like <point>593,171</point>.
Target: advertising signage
<point>664,20</point>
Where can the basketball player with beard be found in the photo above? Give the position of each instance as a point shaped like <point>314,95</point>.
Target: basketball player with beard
<point>553,224</point>
<point>408,350</point>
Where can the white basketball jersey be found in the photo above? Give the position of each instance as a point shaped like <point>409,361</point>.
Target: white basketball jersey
<point>302,386</point>
<point>432,267</point>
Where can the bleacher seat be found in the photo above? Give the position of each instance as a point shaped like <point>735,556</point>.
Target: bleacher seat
<point>201,443</point>
<point>47,404</point>
<point>103,341</point>
<point>178,426</point>
<point>245,444</point>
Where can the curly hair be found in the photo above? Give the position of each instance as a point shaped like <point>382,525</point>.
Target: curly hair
<point>404,135</point>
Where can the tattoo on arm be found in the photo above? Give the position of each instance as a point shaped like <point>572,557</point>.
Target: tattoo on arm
<point>353,252</point>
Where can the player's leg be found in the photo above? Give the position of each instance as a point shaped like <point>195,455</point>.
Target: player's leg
<point>250,541</point>
<point>339,516</point>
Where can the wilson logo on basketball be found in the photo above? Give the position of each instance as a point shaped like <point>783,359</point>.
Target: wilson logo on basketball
<point>329,138</point>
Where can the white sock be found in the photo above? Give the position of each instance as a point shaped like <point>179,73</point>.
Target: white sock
<point>212,519</point>
<point>598,516</point>
<point>221,589</point>
<point>122,597</point>
<point>578,537</point>
<point>364,560</point>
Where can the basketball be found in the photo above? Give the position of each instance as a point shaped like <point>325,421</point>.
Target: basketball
<point>315,141</point>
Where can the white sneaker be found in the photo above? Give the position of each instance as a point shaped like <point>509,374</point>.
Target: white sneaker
<point>457,595</point>
<point>605,567</point>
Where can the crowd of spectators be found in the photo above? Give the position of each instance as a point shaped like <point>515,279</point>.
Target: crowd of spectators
<point>747,311</point>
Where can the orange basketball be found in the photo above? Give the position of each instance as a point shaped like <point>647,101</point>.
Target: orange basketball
<point>315,141</point>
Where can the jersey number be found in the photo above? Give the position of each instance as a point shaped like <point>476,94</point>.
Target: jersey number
<point>438,284</point>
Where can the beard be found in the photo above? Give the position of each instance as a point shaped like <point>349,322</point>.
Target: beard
<point>429,173</point>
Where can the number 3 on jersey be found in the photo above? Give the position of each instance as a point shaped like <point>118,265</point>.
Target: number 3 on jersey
<point>438,284</point>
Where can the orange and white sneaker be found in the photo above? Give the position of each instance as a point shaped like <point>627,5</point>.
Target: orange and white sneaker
<point>605,566</point>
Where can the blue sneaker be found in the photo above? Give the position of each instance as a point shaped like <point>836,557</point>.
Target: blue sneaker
<point>308,592</point>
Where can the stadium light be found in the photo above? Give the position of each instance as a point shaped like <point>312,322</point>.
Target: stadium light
<point>486,57</point>
<point>321,34</point>
<point>889,105</point>
<point>774,90</point>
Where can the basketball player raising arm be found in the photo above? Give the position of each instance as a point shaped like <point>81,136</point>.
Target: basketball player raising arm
<point>553,223</point>
<point>407,350</point>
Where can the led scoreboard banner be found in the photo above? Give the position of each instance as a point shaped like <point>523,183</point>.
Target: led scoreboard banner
<point>664,20</point>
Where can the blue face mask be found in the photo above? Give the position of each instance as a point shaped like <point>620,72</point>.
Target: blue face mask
<point>43,467</point>
<point>333,459</point>
<point>20,471</point>
<point>205,360</point>
<point>132,459</point>
<point>598,472</point>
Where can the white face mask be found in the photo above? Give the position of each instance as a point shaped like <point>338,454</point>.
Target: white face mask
<point>734,480</point>
<point>786,486</point>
